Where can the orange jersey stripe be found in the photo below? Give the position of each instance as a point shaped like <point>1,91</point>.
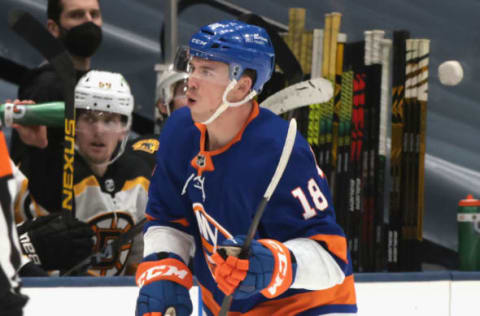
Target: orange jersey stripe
<point>342,294</point>
<point>336,244</point>
<point>181,221</point>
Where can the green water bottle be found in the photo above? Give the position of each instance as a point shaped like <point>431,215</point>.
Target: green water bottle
<point>468,218</point>
<point>49,114</point>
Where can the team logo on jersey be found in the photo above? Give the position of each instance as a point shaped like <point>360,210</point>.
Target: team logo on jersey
<point>212,233</point>
<point>108,227</point>
<point>148,145</point>
<point>109,185</point>
<point>198,182</point>
<point>202,162</point>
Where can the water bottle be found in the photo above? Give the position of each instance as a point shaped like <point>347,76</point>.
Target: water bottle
<point>49,114</point>
<point>468,218</point>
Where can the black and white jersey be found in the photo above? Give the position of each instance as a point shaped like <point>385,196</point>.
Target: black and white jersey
<point>112,204</point>
<point>10,256</point>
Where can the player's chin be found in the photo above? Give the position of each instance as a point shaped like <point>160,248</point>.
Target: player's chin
<point>97,158</point>
<point>197,116</point>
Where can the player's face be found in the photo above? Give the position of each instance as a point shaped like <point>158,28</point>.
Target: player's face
<point>206,84</point>
<point>98,134</point>
<point>76,12</point>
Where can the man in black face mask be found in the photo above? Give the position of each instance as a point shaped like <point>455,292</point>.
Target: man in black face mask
<point>77,23</point>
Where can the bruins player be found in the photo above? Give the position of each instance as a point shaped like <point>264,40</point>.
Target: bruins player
<point>110,186</point>
<point>170,96</point>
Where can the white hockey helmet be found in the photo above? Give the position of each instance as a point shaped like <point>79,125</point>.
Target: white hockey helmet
<point>104,91</point>
<point>166,84</point>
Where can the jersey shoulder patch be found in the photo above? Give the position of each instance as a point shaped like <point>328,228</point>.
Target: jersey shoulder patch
<point>149,145</point>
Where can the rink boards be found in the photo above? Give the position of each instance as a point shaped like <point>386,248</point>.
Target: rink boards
<point>445,293</point>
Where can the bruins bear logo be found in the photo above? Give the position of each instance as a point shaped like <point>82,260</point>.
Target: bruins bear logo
<point>148,145</point>
<point>108,227</point>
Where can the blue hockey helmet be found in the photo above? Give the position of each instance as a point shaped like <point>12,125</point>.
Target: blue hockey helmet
<point>240,45</point>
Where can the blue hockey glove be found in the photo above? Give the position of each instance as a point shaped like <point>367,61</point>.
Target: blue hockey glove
<point>164,281</point>
<point>269,269</point>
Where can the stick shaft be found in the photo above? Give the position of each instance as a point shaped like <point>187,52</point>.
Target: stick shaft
<point>277,175</point>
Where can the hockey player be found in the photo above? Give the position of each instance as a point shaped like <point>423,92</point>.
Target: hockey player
<point>170,92</point>
<point>110,186</point>
<point>216,158</point>
<point>169,96</point>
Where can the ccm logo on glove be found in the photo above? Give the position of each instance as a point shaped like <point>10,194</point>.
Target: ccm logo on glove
<point>166,269</point>
<point>282,273</point>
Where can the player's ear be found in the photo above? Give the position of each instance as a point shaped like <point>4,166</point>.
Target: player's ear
<point>53,28</point>
<point>244,85</point>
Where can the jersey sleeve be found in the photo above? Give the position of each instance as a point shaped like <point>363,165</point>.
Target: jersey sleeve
<point>302,207</point>
<point>169,226</point>
<point>145,147</point>
<point>165,203</point>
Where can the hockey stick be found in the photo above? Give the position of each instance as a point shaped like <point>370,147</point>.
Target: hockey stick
<point>32,31</point>
<point>12,72</point>
<point>109,248</point>
<point>396,153</point>
<point>282,164</point>
<point>317,90</point>
<point>382,199</point>
<point>424,52</point>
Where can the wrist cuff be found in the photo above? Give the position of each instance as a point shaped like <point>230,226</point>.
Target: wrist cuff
<point>282,276</point>
<point>166,269</point>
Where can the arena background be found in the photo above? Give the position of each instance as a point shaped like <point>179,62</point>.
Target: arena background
<point>131,46</point>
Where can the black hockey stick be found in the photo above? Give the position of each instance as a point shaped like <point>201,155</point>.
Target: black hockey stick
<point>109,248</point>
<point>282,164</point>
<point>32,31</point>
<point>11,71</point>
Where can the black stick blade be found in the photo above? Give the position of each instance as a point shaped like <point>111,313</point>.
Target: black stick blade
<point>30,29</point>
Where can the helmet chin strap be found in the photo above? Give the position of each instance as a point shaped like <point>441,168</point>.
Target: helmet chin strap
<point>225,103</point>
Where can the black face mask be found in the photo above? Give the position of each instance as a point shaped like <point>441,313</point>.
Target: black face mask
<point>82,40</point>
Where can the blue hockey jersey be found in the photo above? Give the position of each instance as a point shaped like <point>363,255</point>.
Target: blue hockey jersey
<point>211,196</point>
